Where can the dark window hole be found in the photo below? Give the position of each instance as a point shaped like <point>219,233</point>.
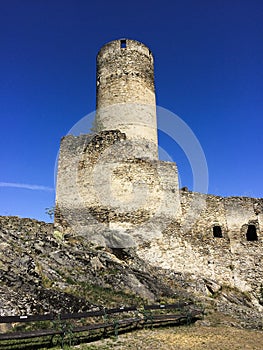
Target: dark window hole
<point>217,232</point>
<point>123,44</point>
<point>252,233</point>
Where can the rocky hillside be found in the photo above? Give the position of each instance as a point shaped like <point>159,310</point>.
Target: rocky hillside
<point>41,272</point>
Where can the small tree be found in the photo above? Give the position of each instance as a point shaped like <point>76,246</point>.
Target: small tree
<point>50,212</point>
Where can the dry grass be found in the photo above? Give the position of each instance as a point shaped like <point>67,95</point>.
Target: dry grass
<point>183,338</point>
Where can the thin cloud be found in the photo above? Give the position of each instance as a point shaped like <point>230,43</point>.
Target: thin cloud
<point>26,186</point>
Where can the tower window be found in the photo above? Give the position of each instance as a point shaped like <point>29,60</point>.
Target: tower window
<point>123,44</point>
<point>217,232</point>
<point>252,233</point>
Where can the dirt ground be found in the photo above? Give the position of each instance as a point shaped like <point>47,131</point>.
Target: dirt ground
<point>183,338</point>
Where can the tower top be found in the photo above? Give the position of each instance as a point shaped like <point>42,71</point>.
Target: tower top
<point>115,46</point>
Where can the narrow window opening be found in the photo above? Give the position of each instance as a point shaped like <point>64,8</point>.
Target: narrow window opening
<point>252,233</point>
<point>123,44</point>
<point>217,232</point>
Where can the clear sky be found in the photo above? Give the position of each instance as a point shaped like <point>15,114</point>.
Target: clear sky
<point>208,70</point>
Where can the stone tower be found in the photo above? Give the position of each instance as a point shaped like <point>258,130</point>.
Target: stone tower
<point>111,187</point>
<point>126,92</point>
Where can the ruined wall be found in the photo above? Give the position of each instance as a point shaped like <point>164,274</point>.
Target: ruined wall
<point>110,196</point>
<point>115,199</point>
<point>188,245</point>
<point>232,214</point>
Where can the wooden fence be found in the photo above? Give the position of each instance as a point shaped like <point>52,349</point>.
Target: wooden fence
<point>100,322</point>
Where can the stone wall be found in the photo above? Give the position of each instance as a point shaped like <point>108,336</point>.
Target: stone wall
<point>188,245</point>
<point>110,196</point>
<point>232,214</point>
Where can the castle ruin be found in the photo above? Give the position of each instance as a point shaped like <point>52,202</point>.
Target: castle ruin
<point>113,189</point>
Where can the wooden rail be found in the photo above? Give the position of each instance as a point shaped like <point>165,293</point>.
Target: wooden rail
<point>152,315</point>
<point>52,317</point>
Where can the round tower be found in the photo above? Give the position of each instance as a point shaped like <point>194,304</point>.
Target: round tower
<point>126,93</point>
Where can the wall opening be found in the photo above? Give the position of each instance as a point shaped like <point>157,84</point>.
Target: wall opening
<point>252,233</point>
<point>123,44</point>
<point>217,232</point>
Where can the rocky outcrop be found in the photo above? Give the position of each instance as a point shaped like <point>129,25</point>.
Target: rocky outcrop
<point>42,273</point>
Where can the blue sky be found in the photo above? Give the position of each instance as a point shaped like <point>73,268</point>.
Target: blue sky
<point>208,70</point>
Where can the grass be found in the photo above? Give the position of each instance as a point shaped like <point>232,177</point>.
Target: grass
<point>103,296</point>
<point>183,338</point>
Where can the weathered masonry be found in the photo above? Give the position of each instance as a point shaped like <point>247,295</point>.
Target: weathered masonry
<point>111,185</point>
<point>112,188</point>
